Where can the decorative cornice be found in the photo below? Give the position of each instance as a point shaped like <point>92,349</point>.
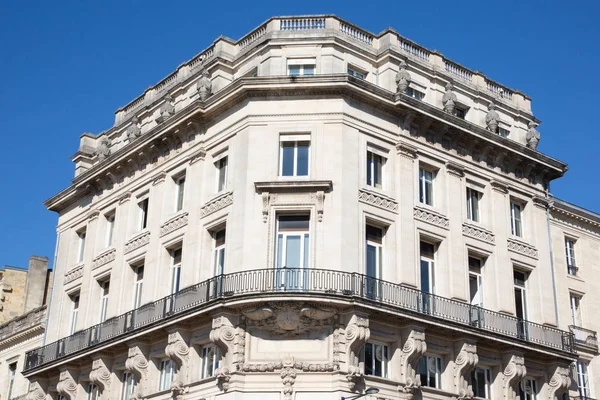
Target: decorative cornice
<point>293,186</point>
<point>499,186</point>
<point>431,217</point>
<point>93,215</point>
<point>455,169</point>
<point>522,248</point>
<point>104,258</point>
<point>407,150</point>
<point>74,273</point>
<point>176,222</point>
<point>479,233</point>
<point>378,200</point>
<point>217,204</point>
<point>137,242</point>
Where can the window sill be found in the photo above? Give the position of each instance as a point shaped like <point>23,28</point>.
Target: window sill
<point>379,192</point>
<point>575,278</point>
<point>294,178</point>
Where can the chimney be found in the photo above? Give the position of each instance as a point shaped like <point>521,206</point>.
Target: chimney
<point>36,282</point>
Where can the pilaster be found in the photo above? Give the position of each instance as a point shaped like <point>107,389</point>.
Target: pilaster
<point>405,193</point>
<point>456,280</point>
<point>501,270</point>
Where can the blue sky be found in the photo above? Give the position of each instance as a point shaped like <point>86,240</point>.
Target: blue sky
<point>66,66</point>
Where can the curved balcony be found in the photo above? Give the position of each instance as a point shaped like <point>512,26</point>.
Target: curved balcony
<point>348,286</point>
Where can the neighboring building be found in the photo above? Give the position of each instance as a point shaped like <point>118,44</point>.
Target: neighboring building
<point>26,292</point>
<point>310,210</point>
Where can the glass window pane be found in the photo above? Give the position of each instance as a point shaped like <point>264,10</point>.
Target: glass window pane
<point>287,161</point>
<point>293,223</point>
<point>374,234</point>
<point>309,70</point>
<point>294,70</point>
<point>371,261</point>
<point>425,278</point>
<point>292,247</point>
<point>279,250</point>
<point>302,165</point>
<point>369,370</point>
<point>369,168</point>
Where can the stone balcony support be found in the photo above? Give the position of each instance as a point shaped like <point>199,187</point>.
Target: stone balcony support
<point>466,360</point>
<point>513,374</point>
<point>413,349</point>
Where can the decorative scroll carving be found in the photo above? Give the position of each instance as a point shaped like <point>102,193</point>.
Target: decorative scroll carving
<point>38,390</point>
<point>522,248</point>
<point>104,258</point>
<point>377,200</point>
<point>103,149</point>
<point>222,334</point>
<point>174,223</point>
<point>533,136</point>
<point>137,364</point>
<point>449,99</point>
<point>356,335</point>
<point>491,119</point>
<point>137,242</point>
<point>166,110</point>
<point>204,85</point>
<point>67,384</point>
<point>403,79</point>
<point>178,389</point>
<point>178,351</point>
<point>413,349</point>
<point>289,320</point>
<point>513,374</point>
<point>100,374</point>
<point>134,131</point>
<point>478,233</point>
<point>559,383</point>
<point>466,360</point>
<point>431,217</point>
<point>217,204</point>
<point>74,273</point>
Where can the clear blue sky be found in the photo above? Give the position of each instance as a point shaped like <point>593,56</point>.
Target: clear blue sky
<point>66,66</point>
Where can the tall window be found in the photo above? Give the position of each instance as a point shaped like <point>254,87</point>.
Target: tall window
<point>583,379</point>
<point>475,281</point>
<point>294,158</point>
<point>430,371</point>
<point>127,386</point>
<point>179,191</point>
<point>110,229</point>
<point>528,389</point>
<point>80,245</point>
<point>473,200</point>
<point>427,261</point>
<point>92,392</point>
<point>304,68</point>
<point>375,357</point>
<point>221,166</point>
<point>516,224</point>
<point>520,279</point>
<point>138,285</point>
<point>426,186</point>
<point>104,287</point>
<point>374,258</point>
<point>143,214</point>
<point>375,163</point>
<point>481,380</point>
<point>576,309</point>
<point>292,250</point>
<point>166,374</point>
<point>175,270</point>
<point>570,251</point>
<point>219,252</point>
<point>210,359</point>
<point>74,312</point>
<point>12,372</point>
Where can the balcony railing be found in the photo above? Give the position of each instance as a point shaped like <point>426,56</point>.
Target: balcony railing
<point>584,336</point>
<point>301,282</point>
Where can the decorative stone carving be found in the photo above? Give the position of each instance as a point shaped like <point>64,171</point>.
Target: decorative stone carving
<point>103,149</point>
<point>38,390</point>
<point>265,206</point>
<point>204,85</point>
<point>466,360</point>
<point>166,110</point>
<point>178,389</point>
<point>414,347</point>
<point>134,131</point>
<point>478,233</point>
<point>100,374</point>
<point>356,335</point>
<point>522,248</point>
<point>559,383</point>
<point>288,378</point>
<point>403,79</point>
<point>513,375</point>
<point>289,320</point>
<point>178,351</point>
<point>492,118</point>
<point>222,335</point>
<point>174,223</point>
<point>377,200</point>
<point>533,136</point>
<point>137,242</point>
<point>67,384</point>
<point>431,217</point>
<point>449,99</point>
<point>223,376</point>
<point>104,258</point>
<point>217,204</point>
<point>406,150</point>
<point>137,364</point>
<point>354,376</point>
<point>320,205</point>
<point>74,273</point>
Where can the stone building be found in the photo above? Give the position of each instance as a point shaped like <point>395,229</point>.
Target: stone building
<point>24,313</point>
<point>310,211</point>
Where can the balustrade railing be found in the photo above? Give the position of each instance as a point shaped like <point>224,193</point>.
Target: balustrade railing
<point>584,336</point>
<point>302,282</point>
<point>302,24</point>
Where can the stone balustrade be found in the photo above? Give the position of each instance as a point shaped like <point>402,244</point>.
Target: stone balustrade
<point>22,322</point>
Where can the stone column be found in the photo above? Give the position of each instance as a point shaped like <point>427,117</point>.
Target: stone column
<point>405,189</point>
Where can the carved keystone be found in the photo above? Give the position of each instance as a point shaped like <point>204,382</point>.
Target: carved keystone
<point>413,349</point>
<point>100,373</point>
<point>466,360</point>
<point>67,384</point>
<point>137,364</point>
<point>514,372</point>
<point>560,381</point>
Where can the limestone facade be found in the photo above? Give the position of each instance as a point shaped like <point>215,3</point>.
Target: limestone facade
<point>291,215</point>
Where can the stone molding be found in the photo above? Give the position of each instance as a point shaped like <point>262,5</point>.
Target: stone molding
<point>74,273</point>
<point>560,381</point>
<point>455,169</point>
<point>540,202</point>
<point>378,200</point>
<point>137,241</point>
<point>100,373</point>
<point>478,232</point>
<point>270,194</point>
<point>513,375</point>
<point>522,248</point>
<point>199,155</point>
<point>406,150</point>
<point>176,222</point>
<point>216,204</point>
<point>67,384</point>
<point>104,258</point>
<point>414,348</point>
<point>431,217</point>
<point>289,319</point>
<point>466,360</point>
<point>499,186</point>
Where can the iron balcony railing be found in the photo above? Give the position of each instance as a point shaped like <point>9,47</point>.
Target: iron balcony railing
<point>301,281</point>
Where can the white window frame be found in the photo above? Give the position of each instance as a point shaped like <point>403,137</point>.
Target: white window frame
<point>179,193</point>
<point>302,64</point>
<point>11,379</point>
<point>92,392</point>
<point>204,365</point>
<point>75,299</point>
<point>372,153</point>
<point>356,72</point>
<point>488,381</point>
<point>385,362</point>
<point>575,304</point>
<point>143,213</point>
<point>221,185</point>
<point>478,275</point>
<point>281,237</point>
<point>525,394</point>
<point>474,205</point>
<point>430,267</point>
<point>378,250</point>
<point>165,374</point>
<point>423,181</point>
<point>104,293</point>
<point>81,237</point>
<point>138,285</point>
<point>110,228</point>
<point>283,139</point>
<point>583,379</point>
<point>570,255</point>
<point>523,289</point>
<point>127,385</point>
<point>219,252</point>
<point>516,221</point>
<point>438,362</point>
<point>175,271</point>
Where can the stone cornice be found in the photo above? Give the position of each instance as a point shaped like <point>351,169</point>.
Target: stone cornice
<point>293,186</point>
<point>560,209</point>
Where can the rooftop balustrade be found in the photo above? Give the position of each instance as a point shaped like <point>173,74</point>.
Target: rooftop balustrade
<point>23,322</point>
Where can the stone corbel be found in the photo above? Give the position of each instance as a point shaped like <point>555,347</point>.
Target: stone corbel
<point>455,169</point>
<point>499,187</point>
<point>159,178</point>
<point>406,150</point>
<point>67,384</point>
<point>513,375</point>
<point>178,351</point>
<point>265,206</point>
<point>223,375</point>
<point>413,349</point>
<point>406,124</point>
<point>320,205</point>
<point>132,166</point>
<point>100,373</point>
<point>223,334</point>
<point>466,360</point>
<point>560,381</point>
<point>540,202</point>
<point>200,155</point>
<point>38,390</point>
<point>137,364</point>
<point>92,216</point>
<point>356,334</point>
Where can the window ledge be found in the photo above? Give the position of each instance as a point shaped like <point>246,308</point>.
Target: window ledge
<point>293,185</point>
<point>575,277</point>
<point>378,192</point>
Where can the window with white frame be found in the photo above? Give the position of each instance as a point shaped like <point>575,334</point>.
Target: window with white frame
<point>416,92</point>
<point>503,132</point>
<point>516,218</point>
<point>473,202</point>
<point>297,67</point>
<point>583,379</point>
<point>481,381</point>
<point>74,312</point>
<point>426,177</point>
<point>570,252</point>
<point>92,392</point>
<point>294,155</point>
<point>528,389</point>
<point>219,251</point>
<point>127,386</point>
<point>476,281</point>
<point>375,168</point>
<point>520,287</point>
<point>221,168</point>
<point>12,372</point>
<point>175,270</point>
<point>356,73</point>
<point>427,263</point>
<point>138,285</point>
<point>104,289</point>
<point>374,257</point>
<point>430,371</point>
<point>110,229</point>
<point>143,214</point>
<point>576,315</point>
<point>375,356</point>
<point>165,374</point>
<point>292,250</point>
<point>179,193</point>
<point>209,360</point>
<point>81,235</point>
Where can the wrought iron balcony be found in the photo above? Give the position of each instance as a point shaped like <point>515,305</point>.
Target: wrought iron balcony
<point>300,282</point>
<point>584,336</point>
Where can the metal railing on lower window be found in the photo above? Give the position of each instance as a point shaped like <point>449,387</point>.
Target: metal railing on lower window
<point>302,281</point>
<point>584,336</point>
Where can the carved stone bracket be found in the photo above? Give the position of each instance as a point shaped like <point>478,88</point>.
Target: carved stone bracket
<point>291,194</point>
<point>356,334</point>
<point>137,364</point>
<point>466,360</point>
<point>513,375</point>
<point>178,389</point>
<point>178,351</point>
<point>67,384</point>
<point>560,381</point>
<point>230,337</point>
<point>406,150</point>
<point>223,376</point>
<point>38,390</point>
<point>455,169</point>
<point>100,373</point>
<point>413,349</point>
